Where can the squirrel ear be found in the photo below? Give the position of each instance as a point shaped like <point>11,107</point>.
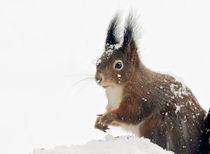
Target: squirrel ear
<point>129,43</point>
<point>111,38</point>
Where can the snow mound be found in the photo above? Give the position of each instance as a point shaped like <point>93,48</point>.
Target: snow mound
<point>111,145</point>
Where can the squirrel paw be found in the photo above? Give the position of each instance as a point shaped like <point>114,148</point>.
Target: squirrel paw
<point>100,125</point>
<point>107,119</point>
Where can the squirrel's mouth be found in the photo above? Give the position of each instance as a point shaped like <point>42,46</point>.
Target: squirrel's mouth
<point>105,86</point>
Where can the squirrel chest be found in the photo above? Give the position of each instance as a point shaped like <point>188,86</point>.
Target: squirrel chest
<point>114,96</point>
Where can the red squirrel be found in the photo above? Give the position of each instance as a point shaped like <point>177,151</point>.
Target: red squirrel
<point>149,104</point>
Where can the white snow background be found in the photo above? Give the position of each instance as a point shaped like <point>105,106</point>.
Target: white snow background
<point>48,46</point>
<point>111,145</point>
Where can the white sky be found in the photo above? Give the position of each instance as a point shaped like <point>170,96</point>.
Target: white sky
<point>47,46</point>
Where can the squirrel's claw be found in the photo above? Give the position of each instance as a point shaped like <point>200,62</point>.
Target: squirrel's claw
<point>99,125</point>
<point>105,128</point>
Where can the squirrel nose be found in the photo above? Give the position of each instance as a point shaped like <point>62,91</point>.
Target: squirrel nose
<point>99,78</point>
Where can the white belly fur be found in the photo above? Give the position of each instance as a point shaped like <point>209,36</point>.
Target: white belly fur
<point>114,95</point>
<point>135,129</point>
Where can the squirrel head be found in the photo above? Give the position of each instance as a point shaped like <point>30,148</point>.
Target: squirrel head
<point>120,61</point>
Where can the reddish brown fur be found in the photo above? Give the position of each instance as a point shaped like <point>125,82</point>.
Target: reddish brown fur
<point>170,114</point>
<point>148,126</point>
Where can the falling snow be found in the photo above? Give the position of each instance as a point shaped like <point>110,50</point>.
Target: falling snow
<point>119,75</point>
<point>98,61</point>
<point>179,91</point>
<point>109,52</point>
<point>144,99</point>
<point>113,46</point>
<point>190,102</point>
<point>178,108</point>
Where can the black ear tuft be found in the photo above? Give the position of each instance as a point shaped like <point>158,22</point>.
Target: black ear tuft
<point>130,28</point>
<point>111,38</point>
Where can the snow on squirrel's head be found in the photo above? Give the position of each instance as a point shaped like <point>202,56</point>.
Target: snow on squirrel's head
<point>120,61</point>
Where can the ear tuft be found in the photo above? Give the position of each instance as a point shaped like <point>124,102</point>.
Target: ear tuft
<point>129,43</point>
<point>112,38</point>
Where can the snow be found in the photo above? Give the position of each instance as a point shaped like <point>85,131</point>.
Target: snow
<point>144,99</point>
<point>178,108</point>
<point>119,75</point>
<point>109,52</point>
<point>111,145</point>
<point>112,47</point>
<point>47,46</point>
<point>178,91</point>
<point>98,62</point>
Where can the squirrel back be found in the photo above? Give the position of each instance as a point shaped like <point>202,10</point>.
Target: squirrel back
<point>150,104</point>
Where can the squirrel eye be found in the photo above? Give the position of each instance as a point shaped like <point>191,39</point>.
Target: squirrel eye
<point>118,65</point>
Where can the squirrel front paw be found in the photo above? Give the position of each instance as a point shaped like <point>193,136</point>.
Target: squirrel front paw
<point>103,121</point>
<point>107,119</point>
<point>100,125</point>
